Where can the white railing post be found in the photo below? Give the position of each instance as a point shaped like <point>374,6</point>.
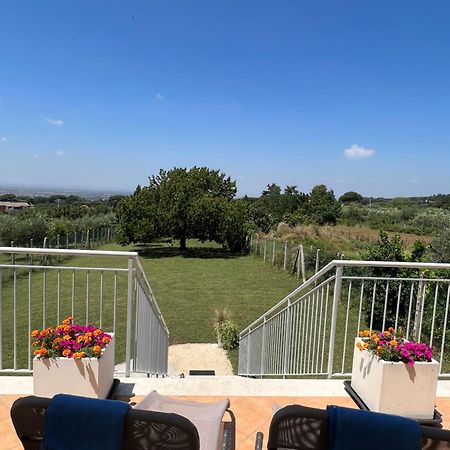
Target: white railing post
<point>263,350</point>
<point>249,350</point>
<point>129,317</point>
<point>336,298</point>
<point>287,339</point>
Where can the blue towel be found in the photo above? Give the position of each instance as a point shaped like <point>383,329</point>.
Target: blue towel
<point>80,423</point>
<point>352,429</point>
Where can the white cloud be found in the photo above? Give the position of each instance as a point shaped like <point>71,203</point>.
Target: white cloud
<point>3,139</point>
<point>56,122</point>
<point>35,156</point>
<point>358,152</point>
<point>159,97</point>
<point>59,152</point>
<point>413,181</point>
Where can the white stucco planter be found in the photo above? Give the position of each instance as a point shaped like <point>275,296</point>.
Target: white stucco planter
<point>87,377</point>
<point>395,387</point>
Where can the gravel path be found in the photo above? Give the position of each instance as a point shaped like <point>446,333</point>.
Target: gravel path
<point>184,357</point>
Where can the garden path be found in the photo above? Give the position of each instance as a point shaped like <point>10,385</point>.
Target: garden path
<point>184,357</point>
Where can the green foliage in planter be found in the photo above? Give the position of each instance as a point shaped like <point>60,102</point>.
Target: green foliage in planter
<point>228,333</point>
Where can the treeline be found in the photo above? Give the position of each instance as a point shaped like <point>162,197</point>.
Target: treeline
<point>292,207</point>
<point>201,203</point>
<point>54,216</point>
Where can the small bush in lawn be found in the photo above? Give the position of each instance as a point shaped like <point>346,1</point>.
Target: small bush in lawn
<point>228,334</point>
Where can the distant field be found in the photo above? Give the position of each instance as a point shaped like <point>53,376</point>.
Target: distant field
<point>357,233</point>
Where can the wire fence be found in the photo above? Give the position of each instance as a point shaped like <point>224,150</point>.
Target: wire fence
<point>299,260</point>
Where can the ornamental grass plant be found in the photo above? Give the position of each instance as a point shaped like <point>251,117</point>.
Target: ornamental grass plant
<point>390,345</point>
<point>70,340</point>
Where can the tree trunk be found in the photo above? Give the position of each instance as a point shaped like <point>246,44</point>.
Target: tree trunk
<point>183,243</point>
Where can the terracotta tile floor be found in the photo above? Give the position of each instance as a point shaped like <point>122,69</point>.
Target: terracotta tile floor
<point>252,414</point>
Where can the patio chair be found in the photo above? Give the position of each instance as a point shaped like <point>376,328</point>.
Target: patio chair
<point>143,430</point>
<point>207,417</point>
<point>302,428</point>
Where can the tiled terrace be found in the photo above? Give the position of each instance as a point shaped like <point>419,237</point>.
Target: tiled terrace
<point>252,411</point>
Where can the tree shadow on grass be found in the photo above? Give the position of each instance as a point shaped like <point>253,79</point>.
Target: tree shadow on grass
<point>159,250</point>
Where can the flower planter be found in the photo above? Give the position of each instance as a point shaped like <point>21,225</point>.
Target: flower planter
<point>395,387</point>
<point>87,377</point>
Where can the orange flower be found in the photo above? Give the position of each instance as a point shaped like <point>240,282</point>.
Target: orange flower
<point>66,352</point>
<point>97,349</point>
<point>393,343</point>
<point>66,337</point>
<point>35,333</point>
<point>79,355</point>
<point>40,352</point>
<point>106,339</point>
<point>379,348</point>
<point>97,332</point>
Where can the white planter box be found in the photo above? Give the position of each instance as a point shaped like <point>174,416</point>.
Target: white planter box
<point>87,377</point>
<point>395,387</point>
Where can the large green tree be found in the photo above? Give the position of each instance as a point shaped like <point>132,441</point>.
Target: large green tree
<point>181,203</point>
<point>322,207</point>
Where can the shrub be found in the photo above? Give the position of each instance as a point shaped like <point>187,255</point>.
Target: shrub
<point>228,334</point>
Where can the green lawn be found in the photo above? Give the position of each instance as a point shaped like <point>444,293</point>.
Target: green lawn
<point>190,286</point>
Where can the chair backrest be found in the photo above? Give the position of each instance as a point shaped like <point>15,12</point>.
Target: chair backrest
<point>207,417</point>
<point>143,430</point>
<point>302,428</point>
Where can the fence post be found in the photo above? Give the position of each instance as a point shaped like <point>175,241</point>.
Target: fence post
<point>67,240</point>
<point>129,318</point>
<point>265,248</point>
<point>302,261</point>
<point>287,339</point>
<point>317,260</point>
<point>273,252</point>
<point>251,243</point>
<point>336,298</point>
<point>285,255</point>
<point>88,243</point>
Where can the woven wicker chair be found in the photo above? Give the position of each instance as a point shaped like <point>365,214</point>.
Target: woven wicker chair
<point>302,428</point>
<point>143,430</point>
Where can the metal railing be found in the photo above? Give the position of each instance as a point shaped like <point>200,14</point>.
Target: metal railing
<point>311,331</point>
<point>108,289</point>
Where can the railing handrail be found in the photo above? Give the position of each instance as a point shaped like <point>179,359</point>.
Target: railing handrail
<point>65,251</point>
<point>343,263</point>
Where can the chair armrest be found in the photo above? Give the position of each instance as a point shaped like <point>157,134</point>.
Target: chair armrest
<point>259,441</point>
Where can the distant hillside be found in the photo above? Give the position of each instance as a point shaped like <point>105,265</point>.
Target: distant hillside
<point>47,192</point>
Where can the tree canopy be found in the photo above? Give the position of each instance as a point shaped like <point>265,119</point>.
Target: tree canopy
<point>183,203</point>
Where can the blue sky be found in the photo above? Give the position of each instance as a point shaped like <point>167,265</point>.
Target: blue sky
<point>352,94</point>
